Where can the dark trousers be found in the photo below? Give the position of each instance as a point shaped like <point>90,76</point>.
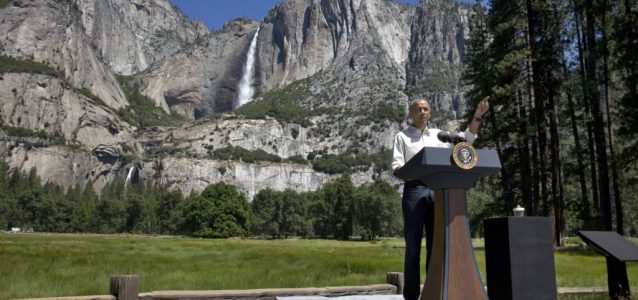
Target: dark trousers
<point>418,213</point>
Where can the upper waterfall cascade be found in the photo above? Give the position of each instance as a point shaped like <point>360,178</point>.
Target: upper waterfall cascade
<point>245,86</point>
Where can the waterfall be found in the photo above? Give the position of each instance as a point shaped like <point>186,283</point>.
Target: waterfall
<point>129,176</point>
<point>245,86</point>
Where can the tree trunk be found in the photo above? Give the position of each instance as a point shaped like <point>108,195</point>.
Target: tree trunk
<point>537,96</point>
<point>585,213</point>
<point>550,51</point>
<point>590,139</point>
<point>524,155</point>
<point>556,171</point>
<point>612,155</point>
<point>597,118</point>
<point>536,180</point>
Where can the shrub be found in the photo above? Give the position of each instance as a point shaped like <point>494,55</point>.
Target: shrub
<point>350,162</point>
<point>298,159</point>
<point>45,138</point>
<point>142,111</point>
<point>127,158</point>
<point>247,156</point>
<point>14,65</point>
<point>388,112</point>
<point>87,93</point>
<point>283,105</point>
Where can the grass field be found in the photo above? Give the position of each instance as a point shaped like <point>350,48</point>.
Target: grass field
<point>47,265</point>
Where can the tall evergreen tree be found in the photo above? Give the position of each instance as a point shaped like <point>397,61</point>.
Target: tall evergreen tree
<point>583,206</point>
<point>545,20</point>
<point>592,55</point>
<point>265,210</point>
<point>375,208</point>
<point>6,205</point>
<point>339,196</point>
<point>505,129</point>
<point>625,34</point>
<point>169,211</point>
<point>85,214</point>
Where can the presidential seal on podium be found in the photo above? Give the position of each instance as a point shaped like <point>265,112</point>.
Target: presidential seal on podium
<point>464,156</point>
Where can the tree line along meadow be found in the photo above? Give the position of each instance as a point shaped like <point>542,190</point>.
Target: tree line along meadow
<point>338,210</point>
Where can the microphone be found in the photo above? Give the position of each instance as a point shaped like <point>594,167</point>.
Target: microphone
<point>447,137</point>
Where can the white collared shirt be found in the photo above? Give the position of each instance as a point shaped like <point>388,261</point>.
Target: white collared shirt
<point>411,140</point>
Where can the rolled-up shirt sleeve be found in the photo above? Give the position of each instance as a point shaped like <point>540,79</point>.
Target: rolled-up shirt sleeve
<point>398,154</point>
<point>469,136</point>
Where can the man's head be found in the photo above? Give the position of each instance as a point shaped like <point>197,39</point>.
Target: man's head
<point>419,112</point>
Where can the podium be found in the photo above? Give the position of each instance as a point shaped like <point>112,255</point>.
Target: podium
<point>617,251</point>
<point>453,273</point>
<point>519,258</point>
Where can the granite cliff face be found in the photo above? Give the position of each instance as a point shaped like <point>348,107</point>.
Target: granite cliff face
<point>303,37</point>
<point>77,141</point>
<point>131,35</point>
<point>435,66</point>
<point>48,32</point>
<point>347,67</point>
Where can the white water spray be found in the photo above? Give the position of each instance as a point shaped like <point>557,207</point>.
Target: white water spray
<point>128,177</point>
<point>245,86</point>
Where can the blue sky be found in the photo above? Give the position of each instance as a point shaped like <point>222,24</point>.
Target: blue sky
<point>214,13</point>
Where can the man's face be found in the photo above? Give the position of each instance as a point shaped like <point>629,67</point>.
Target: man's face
<point>420,114</point>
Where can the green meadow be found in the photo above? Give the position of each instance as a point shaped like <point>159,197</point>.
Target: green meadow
<point>49,265</point>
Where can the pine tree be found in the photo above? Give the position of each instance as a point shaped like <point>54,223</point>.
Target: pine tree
<point>625,35</point>
<point>5,197</point>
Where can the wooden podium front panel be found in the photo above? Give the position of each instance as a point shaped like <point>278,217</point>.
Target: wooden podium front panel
<point>464,278</point>
<point>453,273</point>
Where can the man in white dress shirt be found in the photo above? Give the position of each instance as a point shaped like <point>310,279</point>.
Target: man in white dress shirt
<point>418,199</point>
